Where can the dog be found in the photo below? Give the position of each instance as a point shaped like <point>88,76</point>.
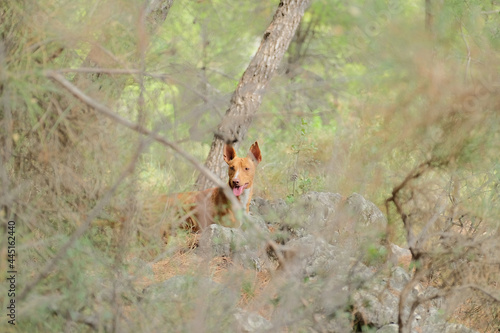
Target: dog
<point>197,210</point>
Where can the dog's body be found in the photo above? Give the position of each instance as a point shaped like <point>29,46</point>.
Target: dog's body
<point>197,210</point>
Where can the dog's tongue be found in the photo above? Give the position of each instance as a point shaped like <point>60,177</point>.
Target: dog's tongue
<point>238,190</point>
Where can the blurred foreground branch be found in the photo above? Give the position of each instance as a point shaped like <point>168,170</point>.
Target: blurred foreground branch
<point>140,129</point>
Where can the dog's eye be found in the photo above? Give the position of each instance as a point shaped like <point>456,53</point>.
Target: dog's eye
<point>232,168</point>
<point>247,169</point>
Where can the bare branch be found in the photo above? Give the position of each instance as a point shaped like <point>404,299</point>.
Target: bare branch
<point>490,12</point>
<point>467,66</point>
<point>416,173</point>
<point>91,321</point>
<point>488,293</point>
<point>133,71</point>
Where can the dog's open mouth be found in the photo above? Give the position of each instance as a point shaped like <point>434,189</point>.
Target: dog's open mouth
<point>238,190</point>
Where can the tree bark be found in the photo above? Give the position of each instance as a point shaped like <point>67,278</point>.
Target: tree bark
<point>247,97</point>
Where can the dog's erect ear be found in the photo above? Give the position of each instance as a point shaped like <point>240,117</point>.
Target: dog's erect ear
<point>229,153</point>
<point>254,153</point>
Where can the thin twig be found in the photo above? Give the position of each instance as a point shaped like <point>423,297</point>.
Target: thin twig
<point>276,248</point>
<point>91,321</point>
<point>467,66</point>
<point>416,173</point>
<point>94,70</point>
<point>490,12</point>
<point>482,290</point>
<point>134,71</point>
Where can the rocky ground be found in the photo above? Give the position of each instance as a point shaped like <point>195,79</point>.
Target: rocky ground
<point>315,265</point>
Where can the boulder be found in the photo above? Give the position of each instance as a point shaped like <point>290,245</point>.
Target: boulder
<point>272,211</point>
<point>250,322</point>
<point>311,256</point>
<point>364,212</point>
<point>391,328</point>
<point>246,247</point>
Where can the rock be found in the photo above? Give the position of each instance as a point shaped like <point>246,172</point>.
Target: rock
<point>399,278</point>
<point>278,215</point>
<point>323,213</point>
<point>391,328</point>
<point>331,216</point>
<point>257,223</point>
<point>251,322</point>
<point>311,256</point>
<point>245,247</point>
<point>364,212</point>
<point>378,303</point>
<point>272,211</point>
<point>317,209</point>
<point>321,204</point>
<point>400,256</point>
<point>376,308</point>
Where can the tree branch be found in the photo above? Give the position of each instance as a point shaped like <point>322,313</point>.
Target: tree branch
<point>416,173</point>
<point>482,290</point>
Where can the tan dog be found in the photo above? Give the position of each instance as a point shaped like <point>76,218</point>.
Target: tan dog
<point>197,210</point>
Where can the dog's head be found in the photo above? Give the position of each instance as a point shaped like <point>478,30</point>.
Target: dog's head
<point>242,170</point>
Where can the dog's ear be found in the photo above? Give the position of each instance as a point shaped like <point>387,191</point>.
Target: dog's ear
<point>254,153</point>
<point>229,153</point>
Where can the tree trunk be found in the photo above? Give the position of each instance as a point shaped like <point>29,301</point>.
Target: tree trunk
<point>247,97</point>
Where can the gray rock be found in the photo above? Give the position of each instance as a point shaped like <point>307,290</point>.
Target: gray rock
<point>365,212</point>
<point>318,207</point>
<point>399,254</point>
<point>377,308</point>
<point>399,278</point>
<point>251,322</point>
<point>391,328</point>
<point>332,216</point>
<point>311,256</point>
<point>272,211</point>
<point>244,246</point>
<point>323,213</point>
<point>323,204</point>
<point>256,223</point>
<point>378,302</point>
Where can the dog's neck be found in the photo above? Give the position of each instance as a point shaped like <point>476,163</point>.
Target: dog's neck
<point>245,197</point>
